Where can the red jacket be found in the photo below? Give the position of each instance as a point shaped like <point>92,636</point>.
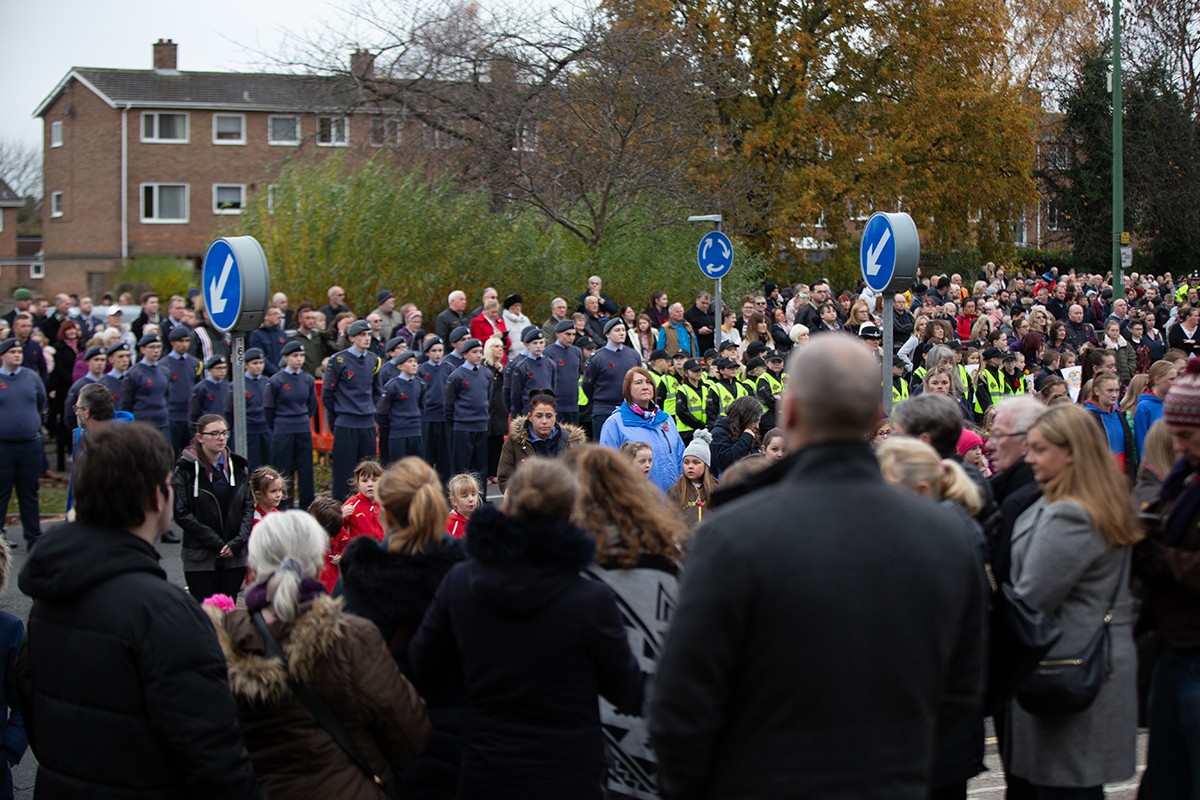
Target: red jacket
<point>483,329</point>
<point>965,324</point>
<point>456,525</point>
<point>363,520</point>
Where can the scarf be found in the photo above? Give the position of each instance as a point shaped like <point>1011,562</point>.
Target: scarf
<point>646,414</point>
<point>258,598</point>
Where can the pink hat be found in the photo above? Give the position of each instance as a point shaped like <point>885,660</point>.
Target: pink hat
<point>966,440</point>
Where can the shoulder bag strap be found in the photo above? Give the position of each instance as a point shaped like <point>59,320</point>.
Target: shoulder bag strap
<point>1111,613</point>
<point>316,706</point>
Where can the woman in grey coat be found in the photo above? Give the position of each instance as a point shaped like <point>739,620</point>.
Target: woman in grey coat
<point>1070,554</point>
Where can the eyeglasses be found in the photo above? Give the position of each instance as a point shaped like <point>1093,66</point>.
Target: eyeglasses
<point>216,434</point>
<point>1008,435</point>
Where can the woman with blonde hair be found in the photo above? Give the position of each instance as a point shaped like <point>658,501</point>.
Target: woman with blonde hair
<point>1070,559</point>
<point>291,634</point>
<point>1159,380</point>
<point>1158,456</point>
<point>495,357</point>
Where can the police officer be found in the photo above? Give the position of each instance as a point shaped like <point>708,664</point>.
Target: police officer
<point>770,388</point>
<point>22,406</point>
<point>350,394</point>
<point>989,382</point>
<point>114,379</point>
<point>96,361</point>
<point>258,434</point>
<point>144,390</point>
<point>183,372</point>
<point>467,392</point>
<point>399,410</point>
<point>530,371</point>
<point>723,390</point>
<point>691,400</point>
<point>208,396</point>
<point>289,404</point>
<point>435,435</point>
<point>604,376</point>
<point>568,367</point>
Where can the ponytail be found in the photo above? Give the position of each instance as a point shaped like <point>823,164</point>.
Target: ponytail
<point>955,485</point>
<point>411,496</point>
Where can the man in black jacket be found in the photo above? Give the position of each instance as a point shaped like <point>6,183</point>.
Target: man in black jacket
<point>770,683</point>
<point>121,679</point>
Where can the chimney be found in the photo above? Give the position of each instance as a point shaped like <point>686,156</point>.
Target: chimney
<point>362,64</point>
<point>164,56</point>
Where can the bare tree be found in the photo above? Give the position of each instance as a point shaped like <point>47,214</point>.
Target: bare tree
<point>21,167</point>
<point>1167,32</point>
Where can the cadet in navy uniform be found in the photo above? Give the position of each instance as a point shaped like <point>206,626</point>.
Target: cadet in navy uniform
<point>530,372</point>
<point>467,391</point>
<point>22,406</point>
<point>568,366</point>
<point>387,371</point>
<point>183,372</point>
<point>96,362</point>
<point>144,390</point>
<point>454,358</point>
<point>269,337</point>
<point>258,435</point>
<point>114,379</point>
<point>435,434</point>
<point>399,410</point>
<point>605,373</point>
<point>349,394</point>
<point>289,403</point>
<point>208,396</point>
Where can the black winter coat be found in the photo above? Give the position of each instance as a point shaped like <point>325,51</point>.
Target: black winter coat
<point>123,684</point>
<point>207,524</point>
<point>535,643</point>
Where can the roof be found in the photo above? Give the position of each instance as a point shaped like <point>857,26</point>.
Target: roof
<point>262,91</point>
<point>8,197</point>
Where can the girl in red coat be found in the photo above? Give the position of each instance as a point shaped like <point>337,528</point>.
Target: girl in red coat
<point>464,499</point>
<point>360,514</point>
<point>267,487</point>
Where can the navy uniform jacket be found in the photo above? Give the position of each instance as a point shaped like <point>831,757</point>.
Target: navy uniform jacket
<point>182,373</point>
<point>605,374</point>
<point>400,407</point>
<point>434,376</point>
<point>568,366</point>
<point>350,391</point>
<point>144,393</point>
<point>22,406</point>
<point>467,391</point>
<point>113,382</point>
<point>387,371</point>
<point>271,342</point>
<point>453,361</point>
<point>256,419</point>
<point>529,374</point>
<point>290,402</point>
<point>72,422</point>
<point>208,397</point>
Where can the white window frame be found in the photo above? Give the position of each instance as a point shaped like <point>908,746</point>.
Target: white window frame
<point>240,117</point>
<point>56,205</point>
<point>187,200</point>
<point>393,127</point>
<point>240,187</point>
<point>187,127</point>
<point>37,270</point>
<point>283,142</point>
<point>1021,231</point>
<point>330,119</point>
<point>56,133</point>
<point>438,139</point>
<point>1052,216</point>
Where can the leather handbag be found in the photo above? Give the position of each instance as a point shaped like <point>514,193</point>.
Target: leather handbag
<point>321,712</point>
<point>1069,684</point>
<point>1020,637</point>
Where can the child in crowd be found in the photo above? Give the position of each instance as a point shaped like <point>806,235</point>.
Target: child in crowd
<point>360,514</point>
<point>642,456</point>
<point>328,514</point>
<point>773,445</point>
<point>464,499</point>
<point>691,493</point>
<point>267,487</point>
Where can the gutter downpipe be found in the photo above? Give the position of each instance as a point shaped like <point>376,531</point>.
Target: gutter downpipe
<point>125,183</point>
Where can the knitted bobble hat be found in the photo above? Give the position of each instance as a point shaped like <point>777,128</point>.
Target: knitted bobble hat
<point>1182,405</point>
<point>699,447</point>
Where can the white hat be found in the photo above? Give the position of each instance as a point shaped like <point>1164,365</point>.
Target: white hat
<point>699,447</point>
<point>113,310</point>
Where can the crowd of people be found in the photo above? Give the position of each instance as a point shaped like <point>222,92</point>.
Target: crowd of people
<point>708,575</point>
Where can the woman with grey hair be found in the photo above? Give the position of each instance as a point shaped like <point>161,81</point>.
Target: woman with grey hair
<point>305,674</point>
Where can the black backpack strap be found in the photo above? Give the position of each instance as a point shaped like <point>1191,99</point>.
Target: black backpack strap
<point>316,706</point>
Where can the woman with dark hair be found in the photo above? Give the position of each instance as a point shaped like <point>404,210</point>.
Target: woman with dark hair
<point>637,557</point>
<point>538,433</point>
<point>781,332</point>
<point>735,434</point>
<point>1058,336</point>
<point>533,643</point>
<point>643,335</point>
<point>758,329</point>
<point>639,418</point>
<point>215,510</point>
<point>657,310</point>
<point>58,383</point>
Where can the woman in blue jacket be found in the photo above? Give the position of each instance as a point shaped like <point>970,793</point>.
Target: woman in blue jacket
<point>639,419</point>
<point>1149,410</point>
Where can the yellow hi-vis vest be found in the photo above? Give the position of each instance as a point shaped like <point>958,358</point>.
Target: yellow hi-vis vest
<point>696,399</point>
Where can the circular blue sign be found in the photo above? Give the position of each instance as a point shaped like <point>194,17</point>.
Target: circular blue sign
<point>222,283</point>
<point>715,255</point>
<point>890,252</point>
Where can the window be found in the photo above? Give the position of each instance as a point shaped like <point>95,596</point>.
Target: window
<point>56,133</point>
<point>56,204</point>
<point>229,198</point>
<point>283,130</point>
<point>438,139</point>
<point>385,131</point>
<point>162,126</point>
<point>229,128</point>
<point>1052,215</point>
<point>37,270</point>
<point>332,131</point>
<point>1020,234</point>
<point>164,202</point>
<point>527,138</point>
<point>1058,157</point>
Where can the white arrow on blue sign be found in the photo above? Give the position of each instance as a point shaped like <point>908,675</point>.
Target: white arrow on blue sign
<point>235,283</point>
<point>890,252</point>
<point>715,255</point>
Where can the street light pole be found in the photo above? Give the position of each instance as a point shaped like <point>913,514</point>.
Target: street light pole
<point>1118,156</point>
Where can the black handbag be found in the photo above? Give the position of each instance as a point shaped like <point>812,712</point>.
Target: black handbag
<point>321,713</point>
<point>1020,637</point>
<point>1069,684</point>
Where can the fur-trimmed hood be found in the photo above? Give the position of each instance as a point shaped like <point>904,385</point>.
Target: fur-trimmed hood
<point>521,564</point>
<point>518,431</point>
<point>394,589</point>
<point>257,679</point>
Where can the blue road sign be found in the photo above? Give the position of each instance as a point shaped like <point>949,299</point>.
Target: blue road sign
<point>715,255</point>
<point>222,284</point>
<point>890,252</point>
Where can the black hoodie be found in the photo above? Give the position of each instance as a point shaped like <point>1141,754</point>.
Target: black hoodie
<point>122,682</point>
<point>534,643</point>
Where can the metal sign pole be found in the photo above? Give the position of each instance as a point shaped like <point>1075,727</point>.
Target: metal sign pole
<point>238,365</point>
<point>888,355</point>
<point>717,310</point>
